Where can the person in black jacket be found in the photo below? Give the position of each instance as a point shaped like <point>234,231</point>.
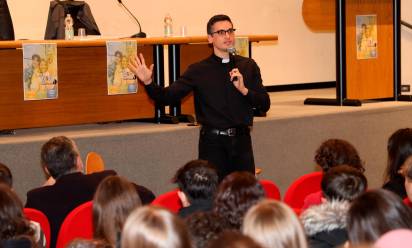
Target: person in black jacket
<point>325,224</point>
<point>226,90</point>
<point>197,181</point>
<point>6,24</point>
<point>61,159</point>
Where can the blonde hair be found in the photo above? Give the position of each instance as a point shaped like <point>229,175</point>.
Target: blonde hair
<point>274,224</point>
<point>153,227</point>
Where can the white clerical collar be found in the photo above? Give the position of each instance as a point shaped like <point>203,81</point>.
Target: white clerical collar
<point>225,61</point>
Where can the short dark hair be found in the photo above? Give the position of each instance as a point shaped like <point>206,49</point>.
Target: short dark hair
<point>343,183</point>
<point>198,179</point>
<point>399,149</point>
<point>333,152</point>
<point>236,194</point>
<point>59,156</point>
<point>214,19</point>
<point>374,213</point>
<point>5,175</point>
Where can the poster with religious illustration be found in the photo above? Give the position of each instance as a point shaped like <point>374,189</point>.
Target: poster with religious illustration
<point>120,80</point>
<point>40,71</point>
<point>366,37</point>
<point>242,46</point>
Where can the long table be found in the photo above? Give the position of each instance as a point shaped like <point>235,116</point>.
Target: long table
<point>82,83</point>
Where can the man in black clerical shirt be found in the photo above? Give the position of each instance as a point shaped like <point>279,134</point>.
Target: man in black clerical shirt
<point>226,89</point>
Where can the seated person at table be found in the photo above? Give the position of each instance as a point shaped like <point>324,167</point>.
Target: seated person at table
<point>61,159</point>
<point>197,181</point>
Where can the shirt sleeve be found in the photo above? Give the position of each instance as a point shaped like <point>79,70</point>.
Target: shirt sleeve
<point>257,94</point>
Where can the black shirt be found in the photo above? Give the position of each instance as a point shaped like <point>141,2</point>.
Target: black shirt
<point>218,103</point>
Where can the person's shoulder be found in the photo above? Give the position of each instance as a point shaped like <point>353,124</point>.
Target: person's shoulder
<point>101,174</point>
<point>39,191</point>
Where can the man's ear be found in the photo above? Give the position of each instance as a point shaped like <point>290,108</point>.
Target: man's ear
<point>210,39</point>
<point>183,199</point>
<point>79,163</point>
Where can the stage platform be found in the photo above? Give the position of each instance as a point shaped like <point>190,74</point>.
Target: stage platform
<point>284,142</point>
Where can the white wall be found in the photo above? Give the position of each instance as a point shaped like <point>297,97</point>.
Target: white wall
<point>299,56</point>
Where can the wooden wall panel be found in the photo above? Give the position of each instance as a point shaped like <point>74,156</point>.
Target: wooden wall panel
<point>319,15</point>
<point>370,78</point>
<point>82,92</point>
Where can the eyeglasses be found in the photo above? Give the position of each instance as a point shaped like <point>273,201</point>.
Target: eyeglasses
<point>223,32</point>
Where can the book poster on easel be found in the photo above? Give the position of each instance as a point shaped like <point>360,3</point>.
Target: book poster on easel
<point>120,80</point>
<point>242,46</point>
<point>40,71</point>
<point>366,37</point>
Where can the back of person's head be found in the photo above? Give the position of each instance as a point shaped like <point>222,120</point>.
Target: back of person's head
<point>233,239</point>
<point>197,179</point>
<point>235,195</point>
<point>12,221</point>
<point>214,19</point>
<point>5,175</point>
<point>203,228</point>
<point>273,224</point>
<point>60,156</point>
<point>153,227</point>
<point>399,149</point>
<point>333,152</point>
<point>374,213</point>
<point>114,200</point>
<point>343,183</point>
<point>88,243</point>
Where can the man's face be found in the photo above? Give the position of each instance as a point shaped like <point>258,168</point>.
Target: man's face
<point>223,40</point>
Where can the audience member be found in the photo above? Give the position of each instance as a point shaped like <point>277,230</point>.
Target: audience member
<point>5,175</point>
<point>15,229</point>
<point>399,149</point>
<point>331,153</point>
<point>197,181</point>
<point>374,213</point>
<point>235,195</point>
<point>399,238</point>
<point>233,239</point>
<point>61,159</point>
<point>408,181</point>
<point>204,227</point>
<point>113,201</point>
<point>88,243</point>
<point>325,224</point>
<point>152,227</point>
<point>272,223</point>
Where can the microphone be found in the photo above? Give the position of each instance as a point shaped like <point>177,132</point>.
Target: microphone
<point>232,54</point>
<point>140,34</point>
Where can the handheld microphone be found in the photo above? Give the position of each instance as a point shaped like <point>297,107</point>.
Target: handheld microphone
<point>232,54</point>
<point>140,34</point>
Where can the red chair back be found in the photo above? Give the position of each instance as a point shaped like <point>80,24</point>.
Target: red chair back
<point>302,187</point>
<point>169,200</point>
<point>39,217</point>
<point>77,224</point>
<point>271,189</point>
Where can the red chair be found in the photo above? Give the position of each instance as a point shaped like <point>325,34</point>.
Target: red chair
<point>77,224</point>
<point>271,189</point>
<point>169,200</point>
<point>302,187</point>
<point>39,217</point>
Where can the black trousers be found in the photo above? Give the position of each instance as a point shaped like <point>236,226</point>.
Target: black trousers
<point>227,153</point>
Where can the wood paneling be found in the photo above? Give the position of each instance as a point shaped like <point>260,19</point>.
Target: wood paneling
<point>370,78</point>
<point>319,15</point>
<point>82,92</point>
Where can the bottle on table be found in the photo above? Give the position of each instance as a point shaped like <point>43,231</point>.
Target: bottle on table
<point>68,28</point>
<point>168,26</point>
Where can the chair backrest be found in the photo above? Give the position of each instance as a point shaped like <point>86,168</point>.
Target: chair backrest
<point>77,224</point>
<point>39,217</point>
<point>302,187</point>
<point>169,200</point>
<point>94,163</point>
<point>271,189</point>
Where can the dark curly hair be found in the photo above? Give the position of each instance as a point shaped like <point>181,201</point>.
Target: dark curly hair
<point>333,152</point>
<point>204,227</point>
<point>236,194</point>
<point>13,224</point>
